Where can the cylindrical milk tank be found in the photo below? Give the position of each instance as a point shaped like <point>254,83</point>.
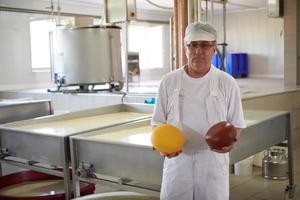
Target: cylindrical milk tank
<point>87,55</point>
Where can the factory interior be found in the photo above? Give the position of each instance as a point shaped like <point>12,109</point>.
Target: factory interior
<point>79,82</point>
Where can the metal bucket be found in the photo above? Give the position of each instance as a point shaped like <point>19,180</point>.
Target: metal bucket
<point>122,195</point>
<point>275,164</point>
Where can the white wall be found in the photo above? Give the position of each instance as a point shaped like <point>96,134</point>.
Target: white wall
<point>251,32</point>
<point>261,37</point>
<point>15,58</point>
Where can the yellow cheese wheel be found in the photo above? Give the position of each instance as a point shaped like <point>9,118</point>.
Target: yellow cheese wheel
<point>167,138</point>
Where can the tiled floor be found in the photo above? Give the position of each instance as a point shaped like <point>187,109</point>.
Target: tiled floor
<point>255,187</point>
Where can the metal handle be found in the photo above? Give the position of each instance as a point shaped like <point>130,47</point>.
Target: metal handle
<point>51,48</point>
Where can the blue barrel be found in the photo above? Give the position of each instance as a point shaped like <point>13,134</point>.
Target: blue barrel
<point>237,64</point>
<point>243,64</point>
<point>216,61</point>
<point>232,64</point>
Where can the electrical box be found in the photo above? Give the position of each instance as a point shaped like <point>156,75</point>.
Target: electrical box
<point>275,8</point>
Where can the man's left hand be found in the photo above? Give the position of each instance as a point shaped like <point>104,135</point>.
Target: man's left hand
<point>224,149</point>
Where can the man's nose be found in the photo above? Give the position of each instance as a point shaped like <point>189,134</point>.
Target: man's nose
<point>199,50</point>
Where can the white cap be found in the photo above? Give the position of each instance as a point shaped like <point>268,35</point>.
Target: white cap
<point>199,31</point>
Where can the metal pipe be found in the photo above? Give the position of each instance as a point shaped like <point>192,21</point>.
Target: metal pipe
<point>45,12</point>
<point>151,21</point>
<point>176,33</point>
<point>190,10</point>
<point>51,48</point>
<point>125,31</point>
<point>159,6</point>
<point>206,10</point>
<point>224,37</point>
<point>212,11</point>
<point>66,165</point>
<point>199,12</point>
<point>58,13</point>
<point>290,189</point>
<point>221,59</point>
<point>105,17</point>
<point>52,10</point>
<point>196,11</point>
<point>183,24</point>
<point>171,44</point>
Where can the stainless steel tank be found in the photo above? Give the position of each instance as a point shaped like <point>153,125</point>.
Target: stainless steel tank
<point>87,55</point>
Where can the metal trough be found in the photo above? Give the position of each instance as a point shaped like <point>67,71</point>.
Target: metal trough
<point>42,144</point>
<point>123,157</point>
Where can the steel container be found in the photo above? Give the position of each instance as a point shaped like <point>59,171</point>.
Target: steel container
<point>123,158</point>
<point>42,144</point>
<point>275,164</point>
<point>87,55</point>
<point>20,109</point>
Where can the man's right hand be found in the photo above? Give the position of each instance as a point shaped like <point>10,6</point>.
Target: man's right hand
<point>171,155</point>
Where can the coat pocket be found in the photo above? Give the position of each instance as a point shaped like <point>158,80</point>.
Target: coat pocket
<point>215,109</point>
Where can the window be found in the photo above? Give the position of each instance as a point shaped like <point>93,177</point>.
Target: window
<point>40,48</point>
<point>40,41</point>
<point>149,53</point>
<point>147,40</point>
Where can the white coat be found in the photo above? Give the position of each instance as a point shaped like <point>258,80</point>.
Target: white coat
<point>197,175</point>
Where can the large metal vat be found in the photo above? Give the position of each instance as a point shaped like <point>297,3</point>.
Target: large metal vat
<point>20,109</point>
<point>87,56</point>
<point>122,156</point>
<point>42,144</point>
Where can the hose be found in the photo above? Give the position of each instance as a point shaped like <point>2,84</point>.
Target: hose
<point>159,6</point>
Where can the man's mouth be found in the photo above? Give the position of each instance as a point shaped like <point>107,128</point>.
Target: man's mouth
<point>197,59</point>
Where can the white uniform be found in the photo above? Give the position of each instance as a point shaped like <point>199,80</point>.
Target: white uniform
<point>194,105</point>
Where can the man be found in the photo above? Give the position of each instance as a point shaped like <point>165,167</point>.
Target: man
<point>194,98</point>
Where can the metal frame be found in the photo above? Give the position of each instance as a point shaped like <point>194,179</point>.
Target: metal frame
<point>21,109</point>
<point>92,157</point>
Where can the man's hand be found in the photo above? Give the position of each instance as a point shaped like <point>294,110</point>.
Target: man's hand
<point>229,148</point>
<point>171,155</point>
<point>224,149</point>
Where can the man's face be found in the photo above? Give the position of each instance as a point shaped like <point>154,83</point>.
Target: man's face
<point>199,54</point>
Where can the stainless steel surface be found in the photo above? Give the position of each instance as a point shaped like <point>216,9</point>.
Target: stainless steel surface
<point>42,139</point>
<point>88,55</point>
<point>135,165</point>
<point>21,109</point>
<point>120,162</point>
<point>264,130</point>
<point>46,140</point>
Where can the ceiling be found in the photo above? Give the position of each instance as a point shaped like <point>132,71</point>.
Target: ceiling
<point>145,5</point>
<point>231,4</point>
